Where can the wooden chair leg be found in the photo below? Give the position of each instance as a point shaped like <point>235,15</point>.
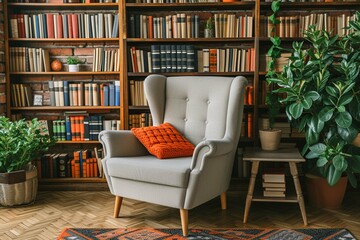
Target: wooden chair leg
<point>118,202</point>
<point>223,201</point>
<point>184,221</point>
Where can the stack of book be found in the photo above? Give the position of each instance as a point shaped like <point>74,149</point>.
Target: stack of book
<point>274,184</point>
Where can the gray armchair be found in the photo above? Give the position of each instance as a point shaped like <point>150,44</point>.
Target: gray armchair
<point>208,111</point>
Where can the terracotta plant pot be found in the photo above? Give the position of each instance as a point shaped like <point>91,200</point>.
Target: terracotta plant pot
<point>270,139</point>
<point>322,195</point>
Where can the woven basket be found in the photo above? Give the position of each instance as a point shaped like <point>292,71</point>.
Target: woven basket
<point>18,192</point>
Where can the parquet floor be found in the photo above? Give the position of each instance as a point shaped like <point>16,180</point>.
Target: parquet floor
<point>55,210</point>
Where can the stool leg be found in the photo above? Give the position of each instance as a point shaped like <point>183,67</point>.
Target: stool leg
<point>254,171</point>
<point>299,194</point>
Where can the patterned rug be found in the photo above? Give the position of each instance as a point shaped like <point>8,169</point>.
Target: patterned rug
<point>209,234</point>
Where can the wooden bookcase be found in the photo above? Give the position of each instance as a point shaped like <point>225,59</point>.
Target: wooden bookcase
<point>254,110</point>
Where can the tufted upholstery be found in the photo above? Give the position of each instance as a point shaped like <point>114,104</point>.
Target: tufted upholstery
<point>208,111</point>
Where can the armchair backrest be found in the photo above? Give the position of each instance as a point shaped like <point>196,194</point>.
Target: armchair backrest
<point>200,107</point>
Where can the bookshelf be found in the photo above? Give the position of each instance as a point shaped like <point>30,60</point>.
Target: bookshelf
<point>58,30</point>
<point>132,113</point>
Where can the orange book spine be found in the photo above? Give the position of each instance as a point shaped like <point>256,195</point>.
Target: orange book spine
<point>102,101</point>
<point>77,164</point>
<point>213,60</point>
<point>70,30</point>
<point>59,26</point>
<point>250,125</point>
<point>134,59</point>
<point>252,59</point>
<point>78,128</point>
<point>82,128</point>
<point>73,168</point>
<point>250,95</point>
<point>50,25</point>
<point>90,167</point>
<point>75,27</point>
<point>85,168</point>
<point>150,27</point>
<point>96,170</point>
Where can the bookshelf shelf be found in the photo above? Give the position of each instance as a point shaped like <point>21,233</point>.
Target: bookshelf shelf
<point>189,40</point>
<point>65,6</point>
<point>191,6</point>
<point>77,142</point>
<point>82,180</point>
<point>65,108</point>
<point>131,74</point>
<point>56,40</point>
<point>313,5</point>
<point>64,73</point>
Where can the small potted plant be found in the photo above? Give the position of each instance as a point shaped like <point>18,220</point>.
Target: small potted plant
<point>209,28</point>
<point>74,63</point>
<point>21,142</point>
<point>321,82</point>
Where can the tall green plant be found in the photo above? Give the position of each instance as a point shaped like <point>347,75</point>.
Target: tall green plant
<point>21,142</point>
<point>322,87</point>
<point>274,52</point>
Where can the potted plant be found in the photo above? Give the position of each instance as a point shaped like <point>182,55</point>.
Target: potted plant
<point>270,137</point>
<point>321,82</point>
<point>20,142</point>
<point>209,28</point>
<point>73,62</point>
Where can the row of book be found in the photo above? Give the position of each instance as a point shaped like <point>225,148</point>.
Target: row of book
<point>226,60</point>
<point>24,59</point>
<point>174,1</point>
<point>79,127</point>
<point>65,93</point>
<point>247,126</point>
<point>163,58</point>
<point>313,0</point>
<point>140,120</point>
<point>64,25</point>
<point>294,26</point>
<point>78,164</point>
<point>106,60</point>
<point>274,184</point>
<point>229,25</point>
<point>180,25</point>
<point>137,95</point>
<point>21,95</point>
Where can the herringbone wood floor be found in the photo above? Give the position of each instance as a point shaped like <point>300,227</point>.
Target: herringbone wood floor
<point>56,210</point>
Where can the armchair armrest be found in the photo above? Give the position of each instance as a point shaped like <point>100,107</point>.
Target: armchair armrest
<point>209,149</point>
<point>121,144</point>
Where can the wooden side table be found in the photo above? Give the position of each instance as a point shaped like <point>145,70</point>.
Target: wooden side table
<point>284,154</point>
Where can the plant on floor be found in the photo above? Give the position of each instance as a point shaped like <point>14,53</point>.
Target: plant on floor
<point>322,86</point>
<point>21,142</point>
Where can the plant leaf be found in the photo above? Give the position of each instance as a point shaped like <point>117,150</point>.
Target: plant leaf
<point>326,113</point>
<point>340,163</point>
<point>296,109</point>
<point>343,119</point>
<point>333,175</point>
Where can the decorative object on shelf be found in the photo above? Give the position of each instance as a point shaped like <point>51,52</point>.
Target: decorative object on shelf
<point>74,63</point>
<point>71,1</point>
<point>321,83</point>
<point>21,142</point>
<point>270,138</point>
<point>209,28</point>
<point>56,65</point>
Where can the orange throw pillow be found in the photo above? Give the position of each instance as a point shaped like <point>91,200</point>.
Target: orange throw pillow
<point>164,141</point>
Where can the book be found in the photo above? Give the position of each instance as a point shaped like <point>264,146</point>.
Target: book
<point>273,194</point>
<point>274,177</point>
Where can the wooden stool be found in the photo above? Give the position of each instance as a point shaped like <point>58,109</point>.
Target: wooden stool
<point>290,155</point>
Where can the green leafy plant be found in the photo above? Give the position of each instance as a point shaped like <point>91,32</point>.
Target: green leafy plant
<point>209,24</point>
<point>73,60</point>
<point>21,142</point>
<point>322,86</point>
<point>274,52</point>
